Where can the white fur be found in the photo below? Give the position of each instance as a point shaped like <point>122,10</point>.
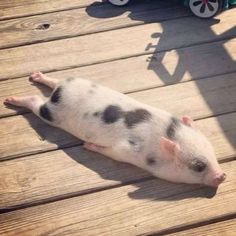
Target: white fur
<point>74,114</point>
<point>76,102</point>
<point>147,144</point>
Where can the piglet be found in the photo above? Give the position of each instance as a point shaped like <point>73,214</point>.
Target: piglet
<point>126,130</point>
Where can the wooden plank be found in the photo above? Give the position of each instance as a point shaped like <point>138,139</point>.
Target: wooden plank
<point>27,135</point>
<point>141,208</point>
<point>226,228</point>
<point>22,135</point>
<point>19,8</point>
<point>28,30</point>
<point>60,173</point>
<point>113,45</point>
<point>131,74</point>
<point>208,97</point>
<point>75,171</point>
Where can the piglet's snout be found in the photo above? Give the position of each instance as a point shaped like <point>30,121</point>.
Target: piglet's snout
<point>218,179</point>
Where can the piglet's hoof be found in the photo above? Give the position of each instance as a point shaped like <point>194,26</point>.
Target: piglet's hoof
<point>92,147</point>
<point>36,76</point>
<point>12,101</point>
<point>9,100</point>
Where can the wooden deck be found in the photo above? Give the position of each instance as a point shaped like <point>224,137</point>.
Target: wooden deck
<point>152,50</point>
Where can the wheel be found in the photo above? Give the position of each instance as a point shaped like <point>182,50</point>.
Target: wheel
<point>119,2</point>
<point>205,8</point>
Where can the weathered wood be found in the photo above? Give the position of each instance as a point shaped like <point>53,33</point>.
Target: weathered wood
<point>73,170</point>
<point>77,22</point>
<point>141,208</point>
<point>19,8</point>
<point>226,228</point>
<point>113,45</point>
<point>199,99</point>
<point>27,135</point>
<point>60,173</point>
<point>208,97</point>
<point>131,74</point>
<point>145,207</point>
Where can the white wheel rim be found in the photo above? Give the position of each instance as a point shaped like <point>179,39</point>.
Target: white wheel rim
<point>119,2</point>
<point>203,8</point>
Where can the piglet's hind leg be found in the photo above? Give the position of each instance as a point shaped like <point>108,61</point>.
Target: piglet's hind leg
<point>33,103</point>
<point>30,102</point>
<point>43,79</point>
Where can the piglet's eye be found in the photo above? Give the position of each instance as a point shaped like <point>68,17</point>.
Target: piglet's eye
<point>198,166</point>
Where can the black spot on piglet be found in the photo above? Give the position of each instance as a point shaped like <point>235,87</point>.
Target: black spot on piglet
<point>136,116</point>
<point>111,114</point>
<point>150,160</point>
<point>93,85</point>
<point>70,79</point>
<point>173,126</point>
<point>55,98</point>
<point>96,114</point>
<point>45,113</point>
<point>136,143</point>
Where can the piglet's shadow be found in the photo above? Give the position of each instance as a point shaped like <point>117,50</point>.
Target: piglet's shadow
<point>43,89</point>
<point>162,190</point>
<point>114,172</point>
<point>148,187</point>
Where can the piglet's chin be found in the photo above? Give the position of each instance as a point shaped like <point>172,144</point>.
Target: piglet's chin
<point>216,180</point>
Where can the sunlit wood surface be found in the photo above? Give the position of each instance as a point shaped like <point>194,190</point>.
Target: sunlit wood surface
<point>152,50</point>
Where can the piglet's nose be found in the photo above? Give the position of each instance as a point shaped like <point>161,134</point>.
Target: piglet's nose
<point>219,179</point>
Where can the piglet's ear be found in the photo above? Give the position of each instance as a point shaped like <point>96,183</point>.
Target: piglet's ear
<point>168,147</point>
<point>188,121</point>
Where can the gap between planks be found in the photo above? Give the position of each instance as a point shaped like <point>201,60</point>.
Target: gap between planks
<point>223,226</point>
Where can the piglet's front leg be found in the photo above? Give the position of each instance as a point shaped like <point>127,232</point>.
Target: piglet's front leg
<point>106,151</point>
<point>95,148</point>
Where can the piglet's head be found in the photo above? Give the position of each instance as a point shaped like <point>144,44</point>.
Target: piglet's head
<point>190,156</point>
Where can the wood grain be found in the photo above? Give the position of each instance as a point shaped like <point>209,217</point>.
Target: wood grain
<point>113,45</point>
<point>70,171</point>
<point>71,23</point>
<point>201,98</point>
<point>60,173</point>
<point>19,8</point>
<point>141,208</point>
<point>131,74</point>
<point>27,134</point>
<point>131,60</point>
<point>23,135</point>
<point>226,228</point>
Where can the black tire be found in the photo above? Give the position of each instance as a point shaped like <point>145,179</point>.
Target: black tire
<point>206,8</point>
